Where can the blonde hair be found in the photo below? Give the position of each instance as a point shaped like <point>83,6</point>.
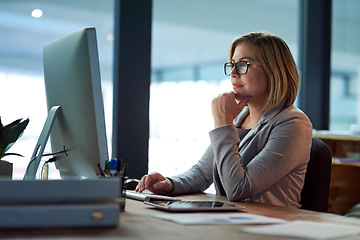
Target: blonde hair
<point>279,65</point>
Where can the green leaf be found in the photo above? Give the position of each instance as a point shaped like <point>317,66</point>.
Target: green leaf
<point>10,133</point>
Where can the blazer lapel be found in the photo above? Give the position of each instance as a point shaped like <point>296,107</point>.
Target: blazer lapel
<point>265,118</point>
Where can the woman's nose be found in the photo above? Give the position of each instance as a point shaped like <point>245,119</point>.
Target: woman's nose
<point>234,73</point>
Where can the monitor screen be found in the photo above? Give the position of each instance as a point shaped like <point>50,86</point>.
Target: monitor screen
<point>72,81</point>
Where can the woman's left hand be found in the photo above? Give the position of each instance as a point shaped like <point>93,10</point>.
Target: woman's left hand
<point>225,108</point>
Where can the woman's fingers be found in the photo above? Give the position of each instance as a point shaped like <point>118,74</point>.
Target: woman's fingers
<point>148,181</point>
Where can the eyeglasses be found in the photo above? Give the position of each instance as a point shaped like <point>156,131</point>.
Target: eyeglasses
<point>241,67</point>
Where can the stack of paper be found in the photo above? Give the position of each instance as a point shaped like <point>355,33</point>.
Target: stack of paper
<point>268,226</point>
<point>306,229</point>
<point>226,218</point>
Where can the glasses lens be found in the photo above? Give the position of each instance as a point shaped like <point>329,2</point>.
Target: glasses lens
<point>228,67</point>
<point>241,67</point>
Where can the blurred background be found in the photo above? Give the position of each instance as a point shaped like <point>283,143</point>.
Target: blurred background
<point>190,43</point>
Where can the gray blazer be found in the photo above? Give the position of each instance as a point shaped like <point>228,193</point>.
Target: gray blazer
<point>266,164</point>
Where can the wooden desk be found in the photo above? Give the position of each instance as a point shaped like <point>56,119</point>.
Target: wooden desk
<point>344,186</point>
<point>341,146</point>
<point>137,223</point>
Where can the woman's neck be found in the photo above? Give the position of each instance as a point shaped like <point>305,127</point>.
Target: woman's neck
<point>252,118</point>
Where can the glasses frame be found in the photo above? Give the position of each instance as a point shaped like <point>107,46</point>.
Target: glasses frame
<point>237,68</point>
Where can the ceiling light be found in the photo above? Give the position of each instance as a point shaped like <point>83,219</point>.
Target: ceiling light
<point>110,37</point>
<point>37,13</point>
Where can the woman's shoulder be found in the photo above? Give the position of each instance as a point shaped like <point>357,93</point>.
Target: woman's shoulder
<point>292,113</point>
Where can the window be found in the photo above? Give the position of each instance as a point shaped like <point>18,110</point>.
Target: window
<point>21,75</point>
<point>345,65</point>
<point>190,44</point>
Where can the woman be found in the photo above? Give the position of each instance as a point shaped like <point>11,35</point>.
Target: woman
<point>261,143</point>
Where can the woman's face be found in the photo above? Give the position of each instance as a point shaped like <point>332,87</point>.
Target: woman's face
<point>254,83</point>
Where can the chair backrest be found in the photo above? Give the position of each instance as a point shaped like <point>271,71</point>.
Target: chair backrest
<point>315,193</point>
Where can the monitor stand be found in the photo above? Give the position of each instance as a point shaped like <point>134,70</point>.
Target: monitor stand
<point>35,159</point>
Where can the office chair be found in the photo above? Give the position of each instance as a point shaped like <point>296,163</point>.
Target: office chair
<point>315,193</point>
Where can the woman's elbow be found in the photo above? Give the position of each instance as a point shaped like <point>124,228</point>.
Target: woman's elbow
<point>236,195</point>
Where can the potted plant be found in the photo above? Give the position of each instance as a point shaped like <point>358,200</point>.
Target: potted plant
<point>8,136</point>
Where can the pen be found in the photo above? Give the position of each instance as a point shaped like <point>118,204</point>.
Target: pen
<point>113,167</point>
<point>101,171</point>
<point>107,168</point>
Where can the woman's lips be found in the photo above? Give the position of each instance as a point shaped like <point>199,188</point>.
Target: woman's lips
<point>236,85</point>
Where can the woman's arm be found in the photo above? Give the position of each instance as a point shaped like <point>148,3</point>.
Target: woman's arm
<point>287,146</point>
<point>198,178</point>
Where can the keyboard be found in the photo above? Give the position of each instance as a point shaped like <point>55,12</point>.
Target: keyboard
<point>147,196</point>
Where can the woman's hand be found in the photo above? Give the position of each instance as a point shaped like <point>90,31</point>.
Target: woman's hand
<point>225,108</point>
<point>156,183</point>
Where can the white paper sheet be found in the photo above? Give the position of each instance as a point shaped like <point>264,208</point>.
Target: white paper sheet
<point>306,229</point>
<point>218,218</point>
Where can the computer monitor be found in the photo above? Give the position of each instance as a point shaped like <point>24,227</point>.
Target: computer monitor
<point>73,88</point>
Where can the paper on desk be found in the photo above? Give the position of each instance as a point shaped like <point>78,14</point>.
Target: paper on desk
<point>219,218</point>
<point>305,229</point>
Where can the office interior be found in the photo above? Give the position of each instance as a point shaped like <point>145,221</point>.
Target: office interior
<point>161,64</point>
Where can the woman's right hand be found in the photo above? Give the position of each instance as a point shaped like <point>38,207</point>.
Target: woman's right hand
<point>156,183</point>
<point>226,107</point>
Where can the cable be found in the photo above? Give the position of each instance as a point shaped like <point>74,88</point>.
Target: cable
<point>47,154</point>
<point>52,154</point>
<point>53,159</point>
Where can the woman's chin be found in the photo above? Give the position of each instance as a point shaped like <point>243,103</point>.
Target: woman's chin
<point>239,96</point>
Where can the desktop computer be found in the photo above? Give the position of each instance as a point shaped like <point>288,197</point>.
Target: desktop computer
<point>76,128</point>
<point>76,122</point>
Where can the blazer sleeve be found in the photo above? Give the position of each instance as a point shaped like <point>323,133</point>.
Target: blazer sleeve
<point>198,178</point>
